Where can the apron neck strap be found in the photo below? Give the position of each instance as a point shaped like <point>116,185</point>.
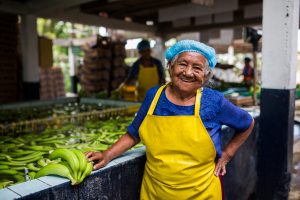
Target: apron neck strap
<point>159,91</point>
<point>197,102</point>
<point>154,101</point>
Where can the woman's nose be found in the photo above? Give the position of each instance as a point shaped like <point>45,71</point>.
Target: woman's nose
<point>188,71</point>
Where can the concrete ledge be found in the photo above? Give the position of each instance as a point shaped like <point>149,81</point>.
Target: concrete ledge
<point>8,194</point>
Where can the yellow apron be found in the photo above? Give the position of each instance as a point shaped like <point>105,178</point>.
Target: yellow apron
<point>180,157</point>
<point>147,78</point>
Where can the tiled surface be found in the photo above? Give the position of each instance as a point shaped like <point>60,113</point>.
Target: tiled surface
<point>137,152</point>
<point>53,180</point>
<point>122,158</point>
<point>110,164</point>
<point>8,194</point>
<point>29,187</point>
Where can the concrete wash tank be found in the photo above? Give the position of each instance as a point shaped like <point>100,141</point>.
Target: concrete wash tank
<point>121,178</point>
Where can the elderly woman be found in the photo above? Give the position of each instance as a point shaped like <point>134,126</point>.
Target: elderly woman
<point>180,125</point>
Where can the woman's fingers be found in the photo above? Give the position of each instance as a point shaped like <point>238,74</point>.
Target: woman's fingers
<point>220,168</point>
<point>98,159</point>
<point>223,170</point>
<point>99,165</point>
<point>88,154</point>
<point>217,169</point>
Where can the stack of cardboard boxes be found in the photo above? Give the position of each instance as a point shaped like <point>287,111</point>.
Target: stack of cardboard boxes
<point>51,78</point>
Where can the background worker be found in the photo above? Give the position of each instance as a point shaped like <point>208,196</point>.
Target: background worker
<point>146,72</point>
<point>248,72</point>
<point>180,125</point>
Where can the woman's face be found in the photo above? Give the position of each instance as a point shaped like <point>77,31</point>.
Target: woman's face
<point>188,71</point>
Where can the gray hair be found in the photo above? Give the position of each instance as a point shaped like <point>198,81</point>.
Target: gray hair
<point>207,74</point>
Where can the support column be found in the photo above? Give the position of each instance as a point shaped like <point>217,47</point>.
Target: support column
<point>280,26</point>
<point>72,71</point>
<point>30,58</point>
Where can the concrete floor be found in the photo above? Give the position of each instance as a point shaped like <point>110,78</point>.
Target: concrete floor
<point>295,182</point>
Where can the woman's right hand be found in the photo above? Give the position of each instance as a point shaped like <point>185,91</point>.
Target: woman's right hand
<point>100,159</point>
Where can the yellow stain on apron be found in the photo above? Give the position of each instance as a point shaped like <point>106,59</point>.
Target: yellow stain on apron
<point>147,78</point>
<point>180,157</point>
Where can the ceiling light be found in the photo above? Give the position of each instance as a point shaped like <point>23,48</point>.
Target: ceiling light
<point>149,23</point>
<point>209,3</point>
<point>127,19</point>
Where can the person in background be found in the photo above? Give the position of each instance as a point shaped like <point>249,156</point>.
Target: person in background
<point>180,125</point>
<point>146,72</point>
<point>248,72</point>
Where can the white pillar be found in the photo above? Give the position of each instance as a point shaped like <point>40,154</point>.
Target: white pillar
<point>280,33</point>
<point>30,58</point>
<point>29,46</point>
<point>71,61</point>
<point>275,146</point>
<point>230,55</point>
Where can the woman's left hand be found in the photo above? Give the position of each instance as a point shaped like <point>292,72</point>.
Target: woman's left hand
<point>221,164</point>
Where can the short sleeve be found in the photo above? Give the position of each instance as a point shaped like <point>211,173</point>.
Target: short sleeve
<point>233,116</point>
<point>133,128</point>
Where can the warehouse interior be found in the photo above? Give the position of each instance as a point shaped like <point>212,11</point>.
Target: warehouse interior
<point>63,64</point>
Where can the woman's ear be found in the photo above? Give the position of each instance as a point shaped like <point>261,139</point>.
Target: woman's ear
<point>208,74</point>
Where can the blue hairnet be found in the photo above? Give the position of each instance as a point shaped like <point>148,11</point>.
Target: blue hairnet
<point>192,46</point>
<point>144,44</point>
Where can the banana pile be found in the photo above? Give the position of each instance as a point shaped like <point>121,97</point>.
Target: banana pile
<point>22,156</point>
<point>74,165</point>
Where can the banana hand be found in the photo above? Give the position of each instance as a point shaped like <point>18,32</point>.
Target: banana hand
<point>56,169</point>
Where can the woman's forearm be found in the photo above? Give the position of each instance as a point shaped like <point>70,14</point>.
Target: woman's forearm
<point>123,144</point>
<point>237,141</point>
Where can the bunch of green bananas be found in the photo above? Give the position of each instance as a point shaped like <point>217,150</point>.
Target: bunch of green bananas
<point>74,165</point>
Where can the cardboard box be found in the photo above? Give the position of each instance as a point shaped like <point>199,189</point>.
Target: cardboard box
<point>45,52</point>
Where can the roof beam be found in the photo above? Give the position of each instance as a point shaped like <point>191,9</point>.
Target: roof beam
<point>43,7</point>
<point>167,29</point>
<point>13,7</point>
<point>81,18</point>
<point>194,10</point>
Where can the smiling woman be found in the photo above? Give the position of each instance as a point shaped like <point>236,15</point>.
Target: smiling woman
<point>180,125</point>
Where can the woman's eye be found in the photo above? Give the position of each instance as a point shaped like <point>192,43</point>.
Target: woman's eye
<point>198,69</point>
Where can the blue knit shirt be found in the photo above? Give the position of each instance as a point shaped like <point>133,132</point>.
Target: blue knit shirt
<point>215,111</point>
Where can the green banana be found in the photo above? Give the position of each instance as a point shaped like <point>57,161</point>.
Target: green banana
<point>67,155</point>
<point>4,167</point>
<point>56,169</point>
<point>19,178</point>
<point>86,172</point>
<point>52,141</point>
<point>27,161</point>
<point>42,162</point>
<point>29,157</point>
<point>18,168</point>
<point>18,153</point>
<point>38,148</point>
<point>31,175</point>
<point>8,172</point>
<point>32,167</point>
<point>68,166</point>
<point>12,163</point>
<point>5,184</point>
<point>82,162</point>
<point>53,161</point>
